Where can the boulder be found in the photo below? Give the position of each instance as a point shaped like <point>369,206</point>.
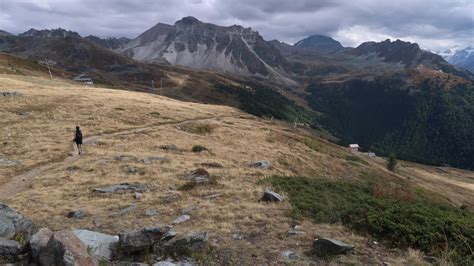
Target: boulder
<point>189,209</point>
<point>8,162</point>
<point>151,213</point>
<point>101,245</point>
<point>199,175</point>
<point>38,244</point>
<point>327,246</point>
<point>9,248</point>
<point>185,246</point>
<point>126,158</point>
<point>181,219</point>
<point>79,214</point>
<point>13,223</point>
<point>261,164</point>
<point>151,160</point>
<point>64,248</point>
<point>143,239</point>
<point>271,196</point>
<point>289,255</point>
<point>169,147</point>
<point>10,93</point>
<point>123,187</point>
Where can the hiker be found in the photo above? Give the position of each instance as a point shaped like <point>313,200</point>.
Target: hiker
<point>78,139</point>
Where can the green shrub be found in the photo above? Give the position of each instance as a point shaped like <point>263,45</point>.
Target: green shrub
<point>311,143</point>
<point>399,216</point>
<point>198,148</point>
<point>392,162</point>
<point>155,114</point>
<point>119,109</point>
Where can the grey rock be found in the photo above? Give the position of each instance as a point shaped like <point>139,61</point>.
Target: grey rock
<point>64,248</point>
<point>143,239</point>
<point>101,245</point>
<point>289,255</point>
<point>151,160</point>
<point>189,209</point>
<point>24,114</point>
<point>236,236</point>
<point>126,158</point>
<point>134,170</point>
<point>169,147</point>
<point>13,223</point>
<point>137,195</point>
<point>327,246</point>
<point>124,211</point>
<point>171,197</point>
<point>181,219</point>
<point>9,248</point>
<point>123,187</point>
<point>79,214</point>
<point>8,162</point>
<point>430,259</point>
<point>295,233</point>
<point>185,246</point>
<point>199,175</point>
<point>151,213</point>
<point>10,93</point>
<point>271,196</point>
<point>38,244</point>
<point>261,164</point>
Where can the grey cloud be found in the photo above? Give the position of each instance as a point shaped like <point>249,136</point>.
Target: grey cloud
<point>432,23</point>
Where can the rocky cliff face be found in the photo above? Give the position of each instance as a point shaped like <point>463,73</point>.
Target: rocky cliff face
<point>192,43</point>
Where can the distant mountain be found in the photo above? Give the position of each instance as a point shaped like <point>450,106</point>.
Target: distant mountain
<point>320,43</point>
<point>109,43</point>
<point>4,33</point>
<point>49,33</point>
<point>408,54</point>
<point>464,58</point>
<point>192,43</point>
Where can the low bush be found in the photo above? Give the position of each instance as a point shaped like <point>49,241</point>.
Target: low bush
<point>355,158</point>
<point>404,221</point>
<point>198,148</point>
<point>311,143</point>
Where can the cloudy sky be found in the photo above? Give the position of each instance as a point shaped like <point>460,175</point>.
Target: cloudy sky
<point>434,24</point>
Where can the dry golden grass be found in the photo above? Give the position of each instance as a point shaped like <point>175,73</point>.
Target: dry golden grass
<point>125,124</point>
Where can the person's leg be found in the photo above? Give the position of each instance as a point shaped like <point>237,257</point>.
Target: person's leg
<point>80,146</point>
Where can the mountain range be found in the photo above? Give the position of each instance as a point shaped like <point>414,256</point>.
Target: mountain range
<point>389,96</point>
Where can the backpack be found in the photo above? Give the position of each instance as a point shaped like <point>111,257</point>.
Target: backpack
<point>78,135</point>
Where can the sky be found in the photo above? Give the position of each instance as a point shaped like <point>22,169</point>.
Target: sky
<point>433,24</point>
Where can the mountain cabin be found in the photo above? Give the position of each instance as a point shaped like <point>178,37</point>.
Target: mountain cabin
<point>354,148</point>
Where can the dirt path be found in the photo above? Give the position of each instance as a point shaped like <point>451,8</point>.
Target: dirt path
<point>21,182</point>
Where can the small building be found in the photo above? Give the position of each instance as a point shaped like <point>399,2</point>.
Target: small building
<point>354,148</point>
<point>371,154</point>
<point>84,79</point>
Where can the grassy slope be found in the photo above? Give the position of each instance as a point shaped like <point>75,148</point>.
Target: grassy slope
<point>235,139</point>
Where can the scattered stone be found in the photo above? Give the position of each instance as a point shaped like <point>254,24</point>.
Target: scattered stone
<point>289,255</point>
<point>143,239</point>
<point>10,93</point>
<point>272,196</point>
<point>79,214</point>
<point>169,147</point>
<point>171,197</point>
<point>101,245</point>
<point>137,195</point>
<point>186,246</point>
<point>326,246</point>
<point>124,211</point>
<point>212,165</point>
<point>123,187</point>
<point>38,244</point>
<point>24,114</point>
<point>151,160</point>
<point>189,209</point>
<point>7,162</point>
<point>198,176</point>
<point>261,164</point>
<point>430,259</point>
<point>126,158</point>
<point>181,219</point>
<point>134,170</point>
<point>9,248</point>
<point>13,223</point>
<point>236,236</point>
<point>151,213</point>
<point>186,262</point>
<point>295,233</point>
<point>64,248</point>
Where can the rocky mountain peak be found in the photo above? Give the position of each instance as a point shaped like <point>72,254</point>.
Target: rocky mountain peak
<point>59,32</point>
<point>320,43</point>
